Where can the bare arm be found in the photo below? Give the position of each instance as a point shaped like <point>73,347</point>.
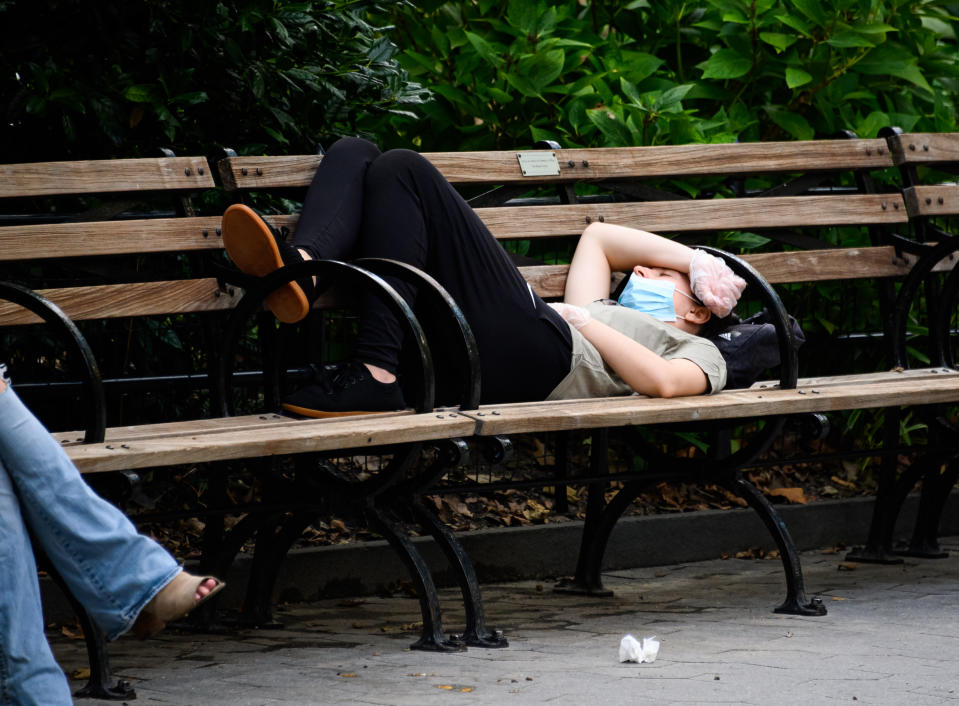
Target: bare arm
<point>605,248</point>
<point>642,369</point>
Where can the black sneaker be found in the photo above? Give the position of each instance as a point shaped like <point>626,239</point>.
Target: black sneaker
<point>257,249</point>
<point>344,389</point>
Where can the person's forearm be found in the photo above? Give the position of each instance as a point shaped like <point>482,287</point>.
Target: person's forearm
<point>643,370</point>
<point>605,248</point>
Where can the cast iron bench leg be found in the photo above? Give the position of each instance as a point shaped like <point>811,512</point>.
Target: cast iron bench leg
<point>796,602</point>
<point>97,686</point>
<point>432,637</point>
<point>476,633</point>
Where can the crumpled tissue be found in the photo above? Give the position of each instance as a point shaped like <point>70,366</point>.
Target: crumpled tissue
<point>632,650</point>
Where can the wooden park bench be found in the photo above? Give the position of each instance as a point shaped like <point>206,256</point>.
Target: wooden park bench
<point>126,246</point>
<point>119,258</point>
<point>629,182</point>
<point>923,160</point>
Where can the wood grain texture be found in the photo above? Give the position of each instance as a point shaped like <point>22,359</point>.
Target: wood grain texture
<point>193,427</point>
<point>925,147</point>
<point>932,200</point>
<point>594,164</point>
<point>104,176</point>
<point>733,404</point>
<point>137,299</point>
<point>296,436</point>
<point>698,215</point>
<point>56,240</point>
<point>778,268</point>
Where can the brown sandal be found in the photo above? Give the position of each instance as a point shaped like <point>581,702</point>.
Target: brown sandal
<point>257,250</point>
<point>173,601</point>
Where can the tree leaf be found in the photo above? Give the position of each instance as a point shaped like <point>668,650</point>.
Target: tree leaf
<point>796,77</point>
<point>542,68</point>
<point>613,129</point>
<point>780,41</point>
<point>845,40</point>
<point>793,123</point>
<point>484,49</point>
<point>795,23</point>
<point>812,9</point>
<point>726,63</point>
<point>141,93</point>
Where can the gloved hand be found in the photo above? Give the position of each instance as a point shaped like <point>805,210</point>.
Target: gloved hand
<point>575,316</point>
<point>713,283</point>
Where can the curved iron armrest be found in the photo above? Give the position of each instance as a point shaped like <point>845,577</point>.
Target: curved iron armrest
<point>95,427</point>
<point>941,353</point>
<point>788,371</point>
<point>788,356</point>
<point>328,272</point>
<point>451,315</point>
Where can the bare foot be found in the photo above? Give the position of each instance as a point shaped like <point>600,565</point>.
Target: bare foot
<point>380,374</point>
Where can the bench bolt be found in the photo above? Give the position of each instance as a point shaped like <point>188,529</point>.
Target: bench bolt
<point>187,171</point>
<point>912,148</point>
<point>585,162</point>
<point>243,171</point>
<point>571,164</point>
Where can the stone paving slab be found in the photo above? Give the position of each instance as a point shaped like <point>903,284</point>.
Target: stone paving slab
<point>891,637</point>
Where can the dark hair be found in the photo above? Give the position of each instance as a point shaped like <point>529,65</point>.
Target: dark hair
<point>716,325</point>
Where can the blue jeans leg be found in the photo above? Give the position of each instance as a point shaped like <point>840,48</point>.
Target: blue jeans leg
<point>28,672</point>
<point>111,569</point>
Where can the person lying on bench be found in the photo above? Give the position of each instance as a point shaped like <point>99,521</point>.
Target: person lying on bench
<point>124,580</point>
<point>364,203</point>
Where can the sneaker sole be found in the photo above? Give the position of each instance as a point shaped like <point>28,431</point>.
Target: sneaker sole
<point>321,414</point>
<point>251,247</point>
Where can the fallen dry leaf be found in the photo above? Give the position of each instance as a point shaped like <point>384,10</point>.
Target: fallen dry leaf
<point>793,495</point>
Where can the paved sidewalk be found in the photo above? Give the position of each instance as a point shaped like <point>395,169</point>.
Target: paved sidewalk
<point>891,637</point>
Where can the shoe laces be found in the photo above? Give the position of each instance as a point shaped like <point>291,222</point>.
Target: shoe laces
<point>339,376</point>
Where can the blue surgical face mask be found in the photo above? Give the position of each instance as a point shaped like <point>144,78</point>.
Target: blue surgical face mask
<point>651,296</point>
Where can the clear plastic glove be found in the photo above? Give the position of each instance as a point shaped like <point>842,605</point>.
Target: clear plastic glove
<point>575,316</point>
<point>716,286</point>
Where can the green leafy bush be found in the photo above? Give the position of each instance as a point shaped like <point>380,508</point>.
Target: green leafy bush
<point>601,72</point>
<point>92,79</point>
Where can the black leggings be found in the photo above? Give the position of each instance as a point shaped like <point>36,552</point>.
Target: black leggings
<point>364,203</point>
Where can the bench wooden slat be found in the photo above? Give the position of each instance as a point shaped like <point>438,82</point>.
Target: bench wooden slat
<point>57,240</point>
<point>698,215</point>
<point>296,436</point>
<point>862,378</point>
<point>104,176</point>
<point>924,147</point>
<point>502,167</point>
<point>548,281</point>
<point>778,268</point>
<point>932,200</point>
<point>137,299</point>
<point>732,404</point>
<point>194,426</point>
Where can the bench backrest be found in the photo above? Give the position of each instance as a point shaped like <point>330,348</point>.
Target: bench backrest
<point>104,240</point>
<point>636,186</point>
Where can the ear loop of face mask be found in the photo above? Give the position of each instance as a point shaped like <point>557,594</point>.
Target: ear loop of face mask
<point>653,297</point>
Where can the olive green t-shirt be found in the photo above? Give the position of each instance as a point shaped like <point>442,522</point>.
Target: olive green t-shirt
<point>589,376</point>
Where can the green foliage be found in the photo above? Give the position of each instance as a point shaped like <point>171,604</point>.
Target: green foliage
<point>89,79</point>
<point>605,72</point>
